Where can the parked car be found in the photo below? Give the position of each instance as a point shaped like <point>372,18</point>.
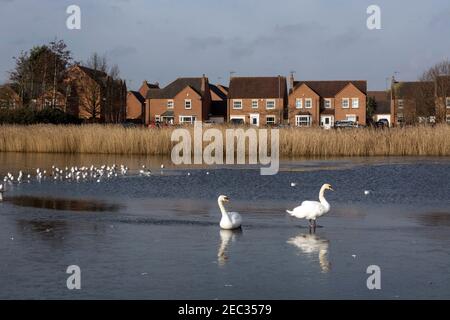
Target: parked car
<point>382,123</point>
<point>345,124</point>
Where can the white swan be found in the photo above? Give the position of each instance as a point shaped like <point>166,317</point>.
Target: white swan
<point>312,210</point>
<point>230,220</point>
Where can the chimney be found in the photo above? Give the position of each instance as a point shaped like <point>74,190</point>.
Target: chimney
<point>291,80</point>
<point>203,86</point>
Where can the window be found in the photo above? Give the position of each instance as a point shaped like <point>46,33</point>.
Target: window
<point>327,103</point>
<point>351,117</point>
<point>400,118</point>
<point>237,119</point>
<point>448,119</point>
<point>188,104</point>
<point>187,119</point>
<point>308,103</point>
<point>254,104</point>
<point>447,102</point>
<point>355,103</point>
<point>345,103</point>
<point>237,104</point>
<point>400,104</point>
<point>157,119</point>
<point>270,120</point>
<point>303,121</point>
<point>270,104</point>
<point>298,103</point>
<point>169,104</point>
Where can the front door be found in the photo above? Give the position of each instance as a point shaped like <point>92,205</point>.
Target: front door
<point>254,120</point>
<point>327,122</point>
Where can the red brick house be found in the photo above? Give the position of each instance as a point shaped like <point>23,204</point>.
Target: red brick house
<point>9,98</point>
<point>136,102</point>
<point>94,96</point>
<point>257,100</point>
<point>183,101</point>
<point>322,103</point>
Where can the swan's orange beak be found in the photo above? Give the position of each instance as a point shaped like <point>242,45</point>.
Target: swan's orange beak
<point>331,188</point>
<point>227,199</point>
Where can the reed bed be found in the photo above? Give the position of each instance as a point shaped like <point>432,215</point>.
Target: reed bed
<point>305,142</point>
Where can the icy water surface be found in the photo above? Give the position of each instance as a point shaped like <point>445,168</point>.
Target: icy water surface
<point>158,237</point>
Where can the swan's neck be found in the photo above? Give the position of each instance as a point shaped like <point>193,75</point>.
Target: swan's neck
<point>1,195</point>
<point>223,210</point>
<point>322,197</point>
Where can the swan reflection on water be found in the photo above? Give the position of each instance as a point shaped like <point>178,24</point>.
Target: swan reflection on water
<point>226,236</point>
<point>311,244</point>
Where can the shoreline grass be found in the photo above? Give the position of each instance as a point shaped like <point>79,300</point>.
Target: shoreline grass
<point>302,142</point>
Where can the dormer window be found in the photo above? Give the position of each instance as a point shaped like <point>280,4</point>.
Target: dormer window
<point>327,103</point>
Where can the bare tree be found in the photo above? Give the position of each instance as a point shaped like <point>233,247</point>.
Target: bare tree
<point>439,75</point>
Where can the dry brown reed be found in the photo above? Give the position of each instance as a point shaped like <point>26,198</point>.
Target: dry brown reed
<point>309,142</point>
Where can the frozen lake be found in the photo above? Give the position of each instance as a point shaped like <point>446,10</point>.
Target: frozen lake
<point>158,237</point>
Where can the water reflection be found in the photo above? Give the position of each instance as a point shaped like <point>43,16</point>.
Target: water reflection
<point>226,236</point>
<point>434,219</point>
<point>311,244</point>
<point>63,204</point>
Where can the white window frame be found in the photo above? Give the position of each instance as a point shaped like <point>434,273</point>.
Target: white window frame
<point>329,103</point>
<point>447,118</point>
<point>170,104</point>
<point>354,116</point>
<point>447,102</point>
<point>310,100</point>
<point>348,103</point>
<point>237,117</point>
<point>158,118</point>
<point>234,104</point>
<point>186,101</point>
<point>353,103</point>
<point>182,119</point>
<point>255,104</point>
<point>298,122</point>
<point>274,120</point>
<point>299,103</point>
<point>401,103</point>
<point>271,101</point>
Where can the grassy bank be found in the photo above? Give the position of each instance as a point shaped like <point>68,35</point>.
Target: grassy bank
<point>412,141</point>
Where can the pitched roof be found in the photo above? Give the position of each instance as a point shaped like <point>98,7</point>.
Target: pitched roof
<point>172,89</point>
<point>383,101</point>
<point>257,87</point>
<point>218,91</point>
<point>138,96</point>
<point>151,85</point>
<point>410,89</point>
<point>94,74</point>
<point>330,88</point>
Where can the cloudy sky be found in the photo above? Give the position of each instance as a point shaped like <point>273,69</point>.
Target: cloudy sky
<point>159,40</point>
